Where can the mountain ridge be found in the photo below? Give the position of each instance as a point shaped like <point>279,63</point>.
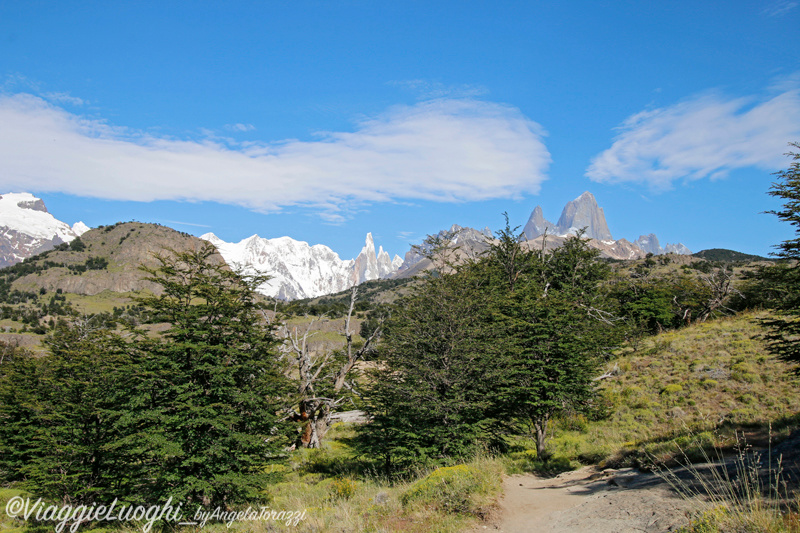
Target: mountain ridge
<point>300,270</point>
<point>584,213</point>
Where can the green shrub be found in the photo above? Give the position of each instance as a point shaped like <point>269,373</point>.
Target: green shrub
<point>454,489</point>
<point>343,488</point>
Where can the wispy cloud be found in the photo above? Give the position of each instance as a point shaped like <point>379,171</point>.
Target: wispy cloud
<point>444,150</point>
<point>428,90</point>
<point>178,222</point>
<point>64,98</point>
<point>704,137</point>
<point>779,8</point>
<point>238,127</point>
<point>409,236</point>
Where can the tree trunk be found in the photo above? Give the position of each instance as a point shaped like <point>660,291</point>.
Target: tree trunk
<point>541,438</point>
<point>316,424</point>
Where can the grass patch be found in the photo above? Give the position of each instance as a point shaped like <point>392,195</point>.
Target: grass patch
<point>745,493</point>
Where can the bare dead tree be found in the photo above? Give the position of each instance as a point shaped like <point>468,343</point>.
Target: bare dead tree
<point>608,374</point>
<point>323,377</point>
<point>719,283</point>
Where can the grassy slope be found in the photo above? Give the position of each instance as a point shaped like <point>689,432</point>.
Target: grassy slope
<point>710,377</point>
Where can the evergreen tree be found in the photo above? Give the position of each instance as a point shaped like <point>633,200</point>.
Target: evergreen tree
<point>59,416</point>
<point>209,396</point>
<point>559,325</point>
<point>193,413</point>
<point>782,280</point>
<point>515,337</point>
<point>433,399</point>
<point>19,409</point>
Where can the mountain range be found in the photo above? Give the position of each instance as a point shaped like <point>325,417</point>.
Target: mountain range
<point>299,270</point>
<point>296,268</point>
<point>584,213</point>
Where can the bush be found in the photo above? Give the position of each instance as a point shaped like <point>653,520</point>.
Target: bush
<point>672,388</point>
<point>454,489</point>
<point>343,488</point>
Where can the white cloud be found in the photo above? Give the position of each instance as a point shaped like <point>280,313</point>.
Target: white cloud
<point>187,224</point>
<point>704,137</point>
<point>443,150</point>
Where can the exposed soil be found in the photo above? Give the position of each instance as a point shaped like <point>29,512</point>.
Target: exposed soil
<point>609,501</point>
<point>626,500</point>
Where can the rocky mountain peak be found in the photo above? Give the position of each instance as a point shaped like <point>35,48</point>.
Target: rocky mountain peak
<point>35,204</point>
<point>583,212</point>
<point>649,244</point>
<point>537,224</point>
<point>366,264</point>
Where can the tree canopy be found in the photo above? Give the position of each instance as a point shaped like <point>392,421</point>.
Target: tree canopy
<point>193,413</point>
<point>511,338</point>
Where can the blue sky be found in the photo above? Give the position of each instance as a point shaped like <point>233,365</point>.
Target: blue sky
<point>326,120</point>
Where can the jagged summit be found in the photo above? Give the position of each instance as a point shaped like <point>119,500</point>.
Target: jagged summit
<point>468,239</point>
<point>537,224</point>
<point>300,270</point>
<point>649,244</point>
<point>366,263</point>
<point>582,212</point>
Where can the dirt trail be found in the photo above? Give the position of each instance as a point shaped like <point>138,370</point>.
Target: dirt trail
<point>612,501</point>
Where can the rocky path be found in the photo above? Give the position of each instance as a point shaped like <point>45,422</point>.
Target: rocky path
<point>611,501</point>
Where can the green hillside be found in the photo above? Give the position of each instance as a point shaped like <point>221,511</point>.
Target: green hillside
<point>709,378</point>
<point>727,256</point>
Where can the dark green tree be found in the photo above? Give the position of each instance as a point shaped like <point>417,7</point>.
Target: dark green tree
<point>193,413</point>
<point>433,398</point>
<point>782,280</point>
<point>514,337</point>
<point>59,415</point>
<point>209,399</point>
<point>560,328</point>
<point>20,378</point>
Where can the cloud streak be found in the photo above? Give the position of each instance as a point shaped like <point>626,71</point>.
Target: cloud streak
<point>239,127</point>
<point>780,8</point>
<point>704,137</point>
<point>443,150</point>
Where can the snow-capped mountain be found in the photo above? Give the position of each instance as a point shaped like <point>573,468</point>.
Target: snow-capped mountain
<point>299,270</point>
<point>26,228</point>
